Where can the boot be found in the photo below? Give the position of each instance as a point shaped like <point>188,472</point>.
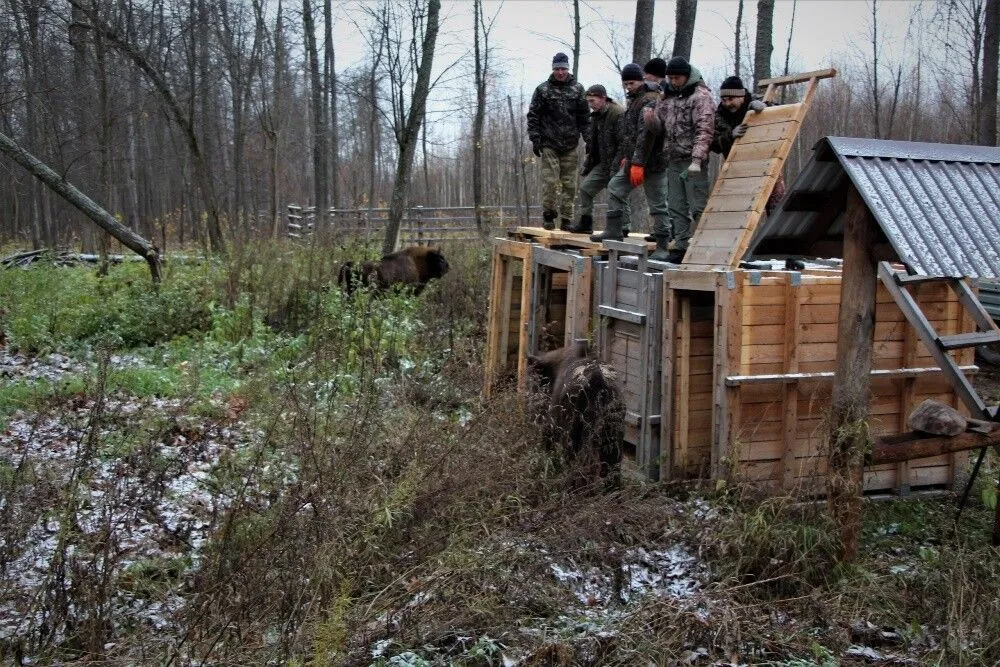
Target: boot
<point>625,230</point>
<point>661,229</point>
<point>548,219</point>
<point>661,254</point>
<point>676,256</point>
<point>651,238</point>
<point>565,225</point>
<point>584,226</point>
<point>612,230</point>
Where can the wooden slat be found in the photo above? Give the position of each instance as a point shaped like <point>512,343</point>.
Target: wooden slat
<point>683,382</point>
<point>523,333</point>
<point>797,78</point>
<point>791,340</point>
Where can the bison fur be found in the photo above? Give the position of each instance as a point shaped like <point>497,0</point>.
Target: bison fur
<point>583,411</point>
<point>411,267</point>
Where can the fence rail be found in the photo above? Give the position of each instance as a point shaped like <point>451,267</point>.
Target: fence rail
<point>420,224</point>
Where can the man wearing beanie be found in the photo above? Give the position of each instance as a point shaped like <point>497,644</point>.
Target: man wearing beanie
<point>557,117</point>
<point>637,162</point>
<point>602,144</point>
<point>655,71</point>
<point>685,121</point>
<point>735,102</point>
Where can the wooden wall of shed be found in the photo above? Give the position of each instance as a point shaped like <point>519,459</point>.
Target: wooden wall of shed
<point>778,431</point>
<point>691,404</point>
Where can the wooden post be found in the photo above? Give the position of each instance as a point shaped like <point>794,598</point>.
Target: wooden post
<point>849,436</point>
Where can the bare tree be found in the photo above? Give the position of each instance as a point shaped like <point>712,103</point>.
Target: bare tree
<point>991,60</point>
<point>684,32</point>
<point>319,119</point>
<point>642,41</point>
<point>763,46</point>
<point>736,41</point>
<point>330,104</point>
<point>101,217</point>
<point>576,39</point>
<point>481,44</point>
<point>406,136</point>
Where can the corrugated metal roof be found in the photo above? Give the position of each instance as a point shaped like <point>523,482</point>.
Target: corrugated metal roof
<point>938,204</point>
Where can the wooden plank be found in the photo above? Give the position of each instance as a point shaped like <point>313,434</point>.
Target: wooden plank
<point>668,367</point>
<point>523,333</point>
<point>705,256</point>
<point>691,279</point>
<point>767,150</point>
<point>740,203</point>
<point>622,314</point>
<point>791,338</point>
<point>653,301</point>
<point>495,315</point>
<point>510,248</point>
<point>759,131</point>
<point>724,220</point>
<point>683,382</point>
<point>750,168</point>
<point>797,78</point>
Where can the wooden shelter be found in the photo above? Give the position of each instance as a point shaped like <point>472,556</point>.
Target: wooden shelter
<point>730,369</point>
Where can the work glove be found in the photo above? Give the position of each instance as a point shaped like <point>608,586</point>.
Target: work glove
<point>623,165</point>
<point>693,168</point>
<point>757,106</point>
<point>636,175</point>
<point>536,148</point>
<point>740,130</point>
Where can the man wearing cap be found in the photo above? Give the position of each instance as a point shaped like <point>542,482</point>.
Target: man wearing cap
<point>602,144</point>
<point>685,120</point>
<point>735,101</point>
<point>557,117</point>
<point>638,162</point>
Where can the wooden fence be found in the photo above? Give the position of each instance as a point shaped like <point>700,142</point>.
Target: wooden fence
<point>421,224</point>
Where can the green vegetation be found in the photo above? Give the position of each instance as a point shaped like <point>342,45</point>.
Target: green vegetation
<point>323,485</point>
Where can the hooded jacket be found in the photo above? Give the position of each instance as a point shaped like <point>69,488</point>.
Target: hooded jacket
<point>685,118</point>
<point>602,142</point>
<point>558,115</point>
<point>725,122</point>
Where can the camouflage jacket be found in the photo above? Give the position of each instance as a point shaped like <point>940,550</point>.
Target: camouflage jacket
<point>725,121</point>
<point>634,146</point>
<point>602,142</point>
<point>685,118</point>
<point>558,115</point>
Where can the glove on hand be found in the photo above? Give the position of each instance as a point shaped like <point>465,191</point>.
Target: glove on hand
<point>693,168</point>
<point>536,148</point>
<point>740,130</point>
<point>636,175</point>
<point>757,106</point>
<point>623,164</point>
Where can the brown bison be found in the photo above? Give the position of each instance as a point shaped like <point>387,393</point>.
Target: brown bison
<point>583,415</point>
<point>412,267</point>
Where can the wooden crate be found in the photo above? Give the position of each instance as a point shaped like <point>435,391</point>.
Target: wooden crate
<point>628,307</point>
<point>772,390</point>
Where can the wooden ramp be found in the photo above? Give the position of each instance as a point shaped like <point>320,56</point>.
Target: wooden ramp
<point>744,184</point>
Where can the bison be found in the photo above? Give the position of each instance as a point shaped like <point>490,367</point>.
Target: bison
<point>583,411</point>
<point>412,267</point>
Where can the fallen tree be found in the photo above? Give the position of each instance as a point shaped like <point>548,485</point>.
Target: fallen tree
<point>67,191</point>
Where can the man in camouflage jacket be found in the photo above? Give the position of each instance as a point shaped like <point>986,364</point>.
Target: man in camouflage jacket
<point>685,119</point>
<point>557,117</point>
<point>602,145</point>
<point>635,155</point>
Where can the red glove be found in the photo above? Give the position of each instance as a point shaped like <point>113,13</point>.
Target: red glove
<point>636,175</point>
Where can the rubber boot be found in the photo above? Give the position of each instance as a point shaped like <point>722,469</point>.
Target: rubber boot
<point>612,230</point>
<point>676,256</point>
<point>565,224</point>
<point>584,226</point>
<point>548,219</point>
<point>661,254</point>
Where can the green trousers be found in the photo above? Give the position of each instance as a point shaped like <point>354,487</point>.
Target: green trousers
<point>559,181</point>
<point>686,199</point>
<point>591,186</point>
<point>655,187</point>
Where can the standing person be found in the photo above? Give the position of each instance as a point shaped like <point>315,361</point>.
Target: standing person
<point>602,144</point>
<point>557,118</point>
<point>638,161</point>
<point>735,101</point>
<point>685,120</point>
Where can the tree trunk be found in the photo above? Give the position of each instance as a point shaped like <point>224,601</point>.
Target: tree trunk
<point>331,91</point>
<point>876,91</point>
<point>736,42</point>
<point>408,143</point>
<point>763,45</point>
<point>991,61</point>
<point>576,39</point>
<point>519,170</point>
<point>102,218</point>
<point>849,436</point>
<point>320,153</point>
<point>482,65</point>
<point>642,38</point>
<point>684,31</point>
<point>788,49</point>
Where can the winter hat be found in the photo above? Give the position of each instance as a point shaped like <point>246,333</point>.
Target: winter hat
<point>679,65</point>
<point>657,67</point>
<point>732,87</point>
<point>597,90</point>
<point>631,72</point>
<point>560,60</point>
